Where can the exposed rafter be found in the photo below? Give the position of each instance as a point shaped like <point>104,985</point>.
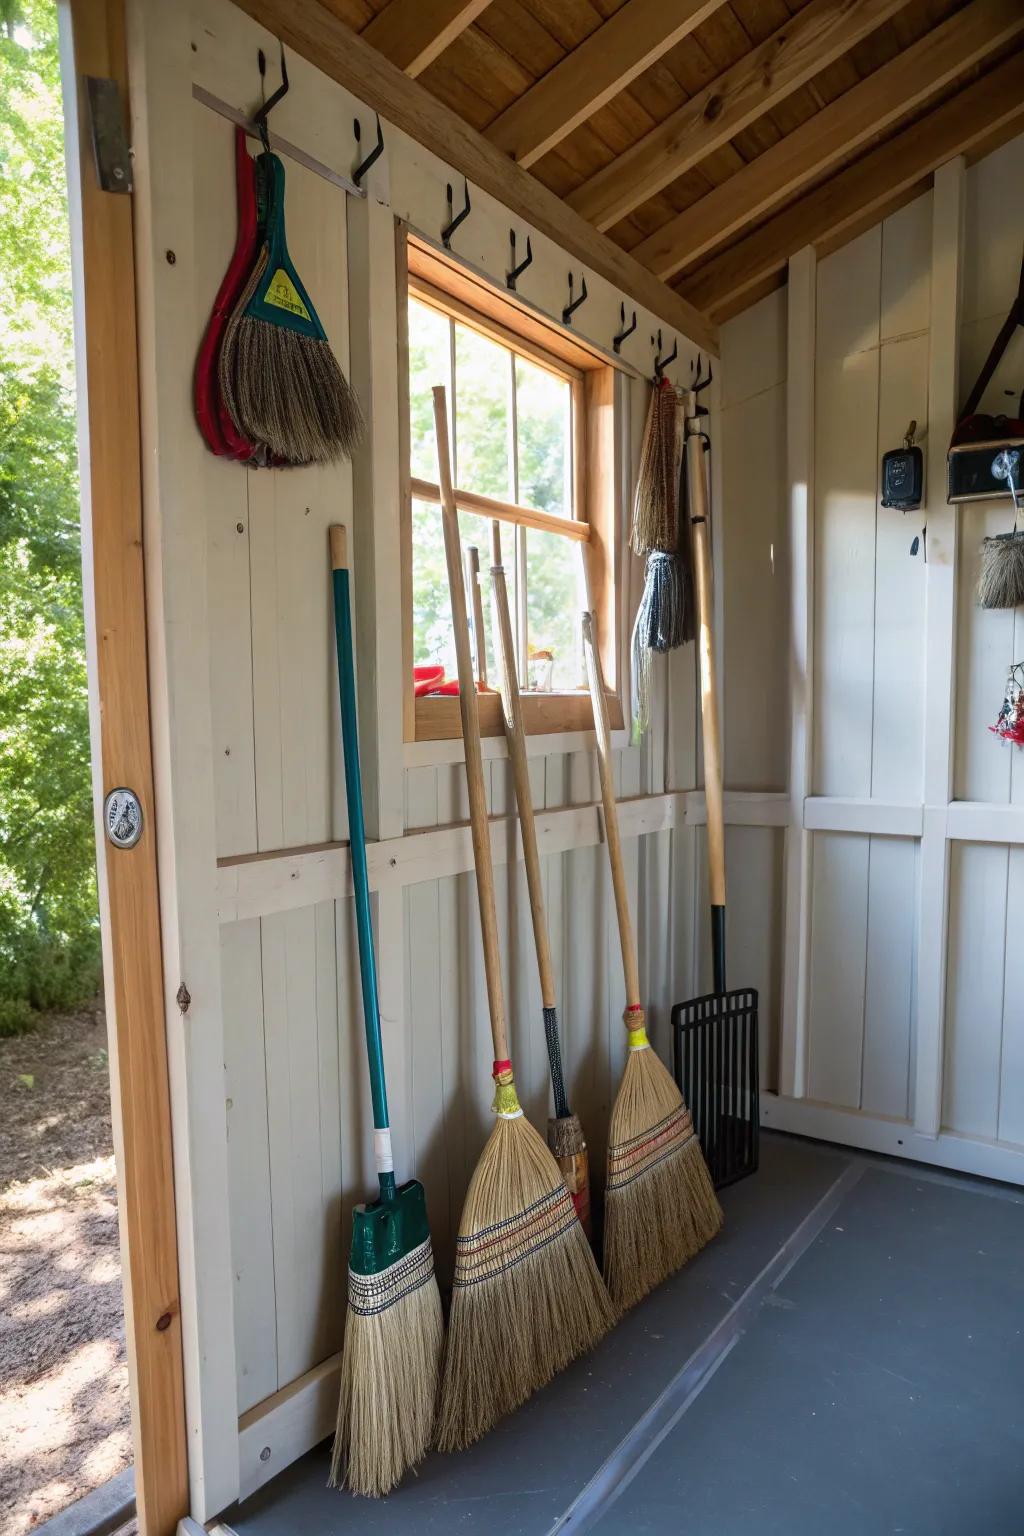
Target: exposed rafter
<point>318,35</point>
<point>630,41</point>
<point>991,107</point>
<point>815,37</point>
<point>412,33</point>
<point>864,111</point>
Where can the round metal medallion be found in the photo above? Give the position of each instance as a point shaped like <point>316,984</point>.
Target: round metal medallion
<point>122,817</point>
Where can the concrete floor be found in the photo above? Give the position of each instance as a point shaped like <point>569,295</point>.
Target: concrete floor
<point>846,1358</point>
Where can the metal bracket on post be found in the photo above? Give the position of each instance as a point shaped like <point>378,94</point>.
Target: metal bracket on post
<point>110,150</point>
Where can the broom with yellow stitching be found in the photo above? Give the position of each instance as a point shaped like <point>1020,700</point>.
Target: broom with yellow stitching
<point>660,1204</point>
<point>526,1297</point>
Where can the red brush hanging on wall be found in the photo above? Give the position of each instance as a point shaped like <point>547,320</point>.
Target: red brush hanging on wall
<point>1010,724</point>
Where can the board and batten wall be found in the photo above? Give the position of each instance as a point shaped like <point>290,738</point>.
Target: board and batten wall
<point>899,922</point>
<point>271,1114</point>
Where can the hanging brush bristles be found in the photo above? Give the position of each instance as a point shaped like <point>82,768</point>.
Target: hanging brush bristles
<point>664,619</point>
<point>279,377</point>
<point>1001,579</point>
<point>527,1297</point>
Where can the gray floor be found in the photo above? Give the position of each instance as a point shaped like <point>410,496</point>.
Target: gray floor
<point>848,1357</point>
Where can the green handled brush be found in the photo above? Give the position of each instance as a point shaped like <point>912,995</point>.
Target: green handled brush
<point>394,1333</point>
<point>282,379</point>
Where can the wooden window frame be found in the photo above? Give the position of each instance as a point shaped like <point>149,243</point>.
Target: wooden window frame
<point>469,297</point>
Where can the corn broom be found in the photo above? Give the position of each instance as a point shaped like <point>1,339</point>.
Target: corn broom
<point>660,1204</point>
<point>565,1134</point>
<point>527,1297</point>
<point>391,1358</point>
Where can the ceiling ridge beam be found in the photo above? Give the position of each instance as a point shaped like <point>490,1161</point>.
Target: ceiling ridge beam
<point>991,105</point>
<point>413,33</point>
<point>809,41</point>
<point>321,37</point>
<point>605,63</point>
<point>881,99</point>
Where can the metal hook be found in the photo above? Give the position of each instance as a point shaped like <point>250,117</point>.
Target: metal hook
<point>260,117</point>
<point>700,383</point>
<point>661,363</point>
<point>627,330</point>
<point>374,155</point>
<point>574,304</point>
<point>517,271</point>
<point>454,222</point>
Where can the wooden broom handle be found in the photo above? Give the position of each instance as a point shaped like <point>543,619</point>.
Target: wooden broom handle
<point>469,708</point>
<point>515,736</point>
<point>698,498</point>
<point>602,729</point>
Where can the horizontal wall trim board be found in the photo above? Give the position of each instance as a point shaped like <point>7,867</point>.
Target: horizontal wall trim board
<point>825,813</point>
<point>895,1138</point>
<point>284,882</point>
<point>970,821</point>
<point>433,754</point>
<point>282,1428</point>
<point>742,808</point>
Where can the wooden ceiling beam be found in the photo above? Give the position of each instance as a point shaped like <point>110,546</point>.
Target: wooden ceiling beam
<point>321,37</point>
<point>604,64</point>
<point>992,106</point>
<point>413,33</point>
<point>812,39</point>
<point>849,122</point>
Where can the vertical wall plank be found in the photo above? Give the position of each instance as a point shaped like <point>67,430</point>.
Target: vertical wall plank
<point>839,927</point>
<point>800,398</point>
<point>940,643</point>
<point>1011,1065</point>
<point>976,962</point>
<point>889,988</point>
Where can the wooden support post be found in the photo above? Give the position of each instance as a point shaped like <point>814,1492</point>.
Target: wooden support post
<point>93,43</point>
<point>940,644</point>
<point>800,478</point>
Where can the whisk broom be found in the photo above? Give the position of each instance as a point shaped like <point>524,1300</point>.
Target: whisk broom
<point>565,1134</point>
<point>527,1297</point>
<point>278,375</point>
<point>660,1204</point>
<point>393,1333</point>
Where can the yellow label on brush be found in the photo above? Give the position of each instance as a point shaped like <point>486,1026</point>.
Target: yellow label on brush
<point>282,293</point>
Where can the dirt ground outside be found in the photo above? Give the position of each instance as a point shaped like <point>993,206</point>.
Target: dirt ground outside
<point>64,1421</point>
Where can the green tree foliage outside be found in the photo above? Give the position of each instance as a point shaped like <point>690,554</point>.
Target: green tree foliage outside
<point>49,936</point>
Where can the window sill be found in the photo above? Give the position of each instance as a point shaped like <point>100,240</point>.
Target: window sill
<point>544,714</point>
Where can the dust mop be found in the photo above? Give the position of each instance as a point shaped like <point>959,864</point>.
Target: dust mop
<point>565,1134</point>
<point>527,1297</point>
<point>394,1332</point>
<point>660,1204</point>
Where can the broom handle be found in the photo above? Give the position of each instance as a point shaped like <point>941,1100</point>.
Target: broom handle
<point>469,708</point>
<point>603,732</point>
<point>357,850</point>
<point>515,736</point>
<point>698,501</point>
<point>471,560</point>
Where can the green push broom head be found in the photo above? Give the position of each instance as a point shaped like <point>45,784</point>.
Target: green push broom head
<point>289,388</point>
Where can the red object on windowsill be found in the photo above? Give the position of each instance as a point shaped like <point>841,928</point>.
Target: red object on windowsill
<point>431,680</point>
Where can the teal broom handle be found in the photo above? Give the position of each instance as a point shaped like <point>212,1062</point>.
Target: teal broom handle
<point>357,849</point>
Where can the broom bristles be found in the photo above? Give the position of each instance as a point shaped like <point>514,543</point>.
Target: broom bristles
<point>660,1203</point>
<point>390,1367</point>
<point>291,394</point>
<point>1001,579</point>
<point>527,1296</point>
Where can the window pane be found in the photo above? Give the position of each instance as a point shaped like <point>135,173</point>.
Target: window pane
<point>483,384</point>
<point>433,640</point>
<point>552,607</point>
<point>544,421</point>
<point>429,364</point>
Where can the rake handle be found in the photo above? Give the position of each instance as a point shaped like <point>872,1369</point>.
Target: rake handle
<point>602,729</point>
<point>698,501</point>
<point>470,711</point>
<point>515,736</point>
<point>357,851</point>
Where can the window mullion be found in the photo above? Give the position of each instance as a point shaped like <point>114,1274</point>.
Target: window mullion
<point>522,626</point>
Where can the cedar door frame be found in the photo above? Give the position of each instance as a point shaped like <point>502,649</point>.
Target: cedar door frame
<point>464,294</point>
